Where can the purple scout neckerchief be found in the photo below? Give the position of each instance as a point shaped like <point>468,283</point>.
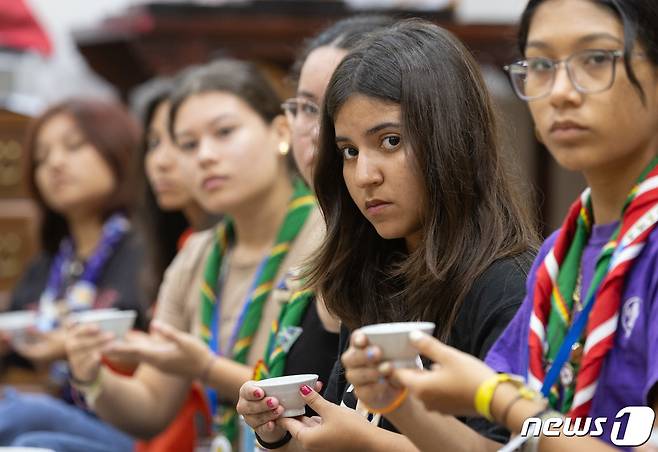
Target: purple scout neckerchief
<point>82,293</point>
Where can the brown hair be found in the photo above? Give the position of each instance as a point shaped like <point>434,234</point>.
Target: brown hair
<point>114,134</point>
<point>472,215</point>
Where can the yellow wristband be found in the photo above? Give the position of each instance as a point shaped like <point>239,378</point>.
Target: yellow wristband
<point>394,405</point>
<point>485,392</point>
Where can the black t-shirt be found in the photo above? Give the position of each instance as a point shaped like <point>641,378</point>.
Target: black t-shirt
<point>118,286</point>
<point>314,352</point>
<point>487,309</point>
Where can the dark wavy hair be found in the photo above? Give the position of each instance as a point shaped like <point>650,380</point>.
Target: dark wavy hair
<point>472,215</point>
<point>638,17</point>
<point>114,133</point>
<point>344,34</point>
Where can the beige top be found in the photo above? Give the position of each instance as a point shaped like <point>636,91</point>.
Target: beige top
<point>179,300</point>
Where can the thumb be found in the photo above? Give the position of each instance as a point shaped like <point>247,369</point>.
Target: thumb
<point>431,347</point>
<point>407,378</point>
<point>315,400</point>
<point>166,331</point>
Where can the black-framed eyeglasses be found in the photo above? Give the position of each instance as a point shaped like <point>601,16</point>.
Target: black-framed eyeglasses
<point>590,71</point>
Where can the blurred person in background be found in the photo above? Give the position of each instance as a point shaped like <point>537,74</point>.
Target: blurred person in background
<point>80,156</point>
<point>214,309</point>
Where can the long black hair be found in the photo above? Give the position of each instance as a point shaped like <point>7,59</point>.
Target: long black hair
<point>161,229</point>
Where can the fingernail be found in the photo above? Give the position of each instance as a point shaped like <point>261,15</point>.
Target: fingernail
<point>385,368</point>
<point>305,390</point>
<point>370,353</point>
<point>270,404</point>
<point>257,393</point>
<point>360,339</point>
<point>415,336</point>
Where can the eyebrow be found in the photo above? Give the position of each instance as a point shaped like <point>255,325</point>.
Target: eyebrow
<point>307,95</point>
<point>584,40</point>
<point>373,130</point>
<point>212,122</point>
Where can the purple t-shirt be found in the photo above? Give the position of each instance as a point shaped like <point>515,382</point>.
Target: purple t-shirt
<point>630,369</point>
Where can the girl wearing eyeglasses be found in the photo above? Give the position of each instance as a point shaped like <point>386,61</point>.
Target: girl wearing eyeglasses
<point>586,336</point>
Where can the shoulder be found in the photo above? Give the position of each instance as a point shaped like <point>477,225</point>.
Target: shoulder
<point>33,281</point>
<point>502,284</point>
<point>195,250</point>
<point>311,234</point>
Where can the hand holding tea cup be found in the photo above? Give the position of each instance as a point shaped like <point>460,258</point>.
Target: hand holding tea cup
<point>450,386</point>
<point>372,347</point>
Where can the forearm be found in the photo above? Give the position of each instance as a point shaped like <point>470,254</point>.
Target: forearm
<point>427,428</point>
<point>142,405</point>
<point>524,409</point>
<point>228,376</point>
<point>377,439</point>
<point>374,439</point>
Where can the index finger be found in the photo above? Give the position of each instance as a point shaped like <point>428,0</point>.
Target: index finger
<point>249,391</point>
<point>358,339</point>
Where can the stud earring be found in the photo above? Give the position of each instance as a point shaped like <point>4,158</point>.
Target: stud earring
<point>284,148</point>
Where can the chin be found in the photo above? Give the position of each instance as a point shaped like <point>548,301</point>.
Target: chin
<point>389,233</point>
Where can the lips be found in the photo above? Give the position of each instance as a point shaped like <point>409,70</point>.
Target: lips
<point>213,182</point>
<point>375,206</point>
<point>163,186</point>
<point>567,130</point>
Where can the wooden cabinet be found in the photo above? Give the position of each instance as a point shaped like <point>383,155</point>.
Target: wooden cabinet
<point>18,215</point>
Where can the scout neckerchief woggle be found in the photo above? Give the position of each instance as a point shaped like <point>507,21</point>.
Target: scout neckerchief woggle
<point>299,208</point>
<point>553,332</point>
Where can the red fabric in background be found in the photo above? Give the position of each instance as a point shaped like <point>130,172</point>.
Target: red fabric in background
<point>20,30</point>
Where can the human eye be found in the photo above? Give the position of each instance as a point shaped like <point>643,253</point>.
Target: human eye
<point>349,153</point>
<point>391,142</point>
<point>188,145</point>
<point>595,58</point>
<point>310,109</point>
<point>223,132</point>
<point>152,142</point>
<point>74,143</point>
<point>540,64</point>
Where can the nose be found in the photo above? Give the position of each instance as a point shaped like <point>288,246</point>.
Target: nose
<point>207,153</point>
<point>564,90</point>
<point>56,157</point>
<point>163,159</point>
<point>367,172</point>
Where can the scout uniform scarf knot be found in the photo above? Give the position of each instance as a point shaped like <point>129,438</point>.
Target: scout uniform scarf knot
<point>551,320</point>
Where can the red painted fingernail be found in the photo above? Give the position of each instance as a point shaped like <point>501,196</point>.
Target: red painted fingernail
<point>270,404</point>
<point>257,393</point>
<point>306,390</point>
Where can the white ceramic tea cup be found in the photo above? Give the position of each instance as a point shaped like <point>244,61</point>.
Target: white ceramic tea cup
<point>286,391</point>
<point>109,320</point>
<point>393,340</point>
<point>17,321</point>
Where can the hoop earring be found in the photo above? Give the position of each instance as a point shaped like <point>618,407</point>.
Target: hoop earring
<point>284,148</point>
